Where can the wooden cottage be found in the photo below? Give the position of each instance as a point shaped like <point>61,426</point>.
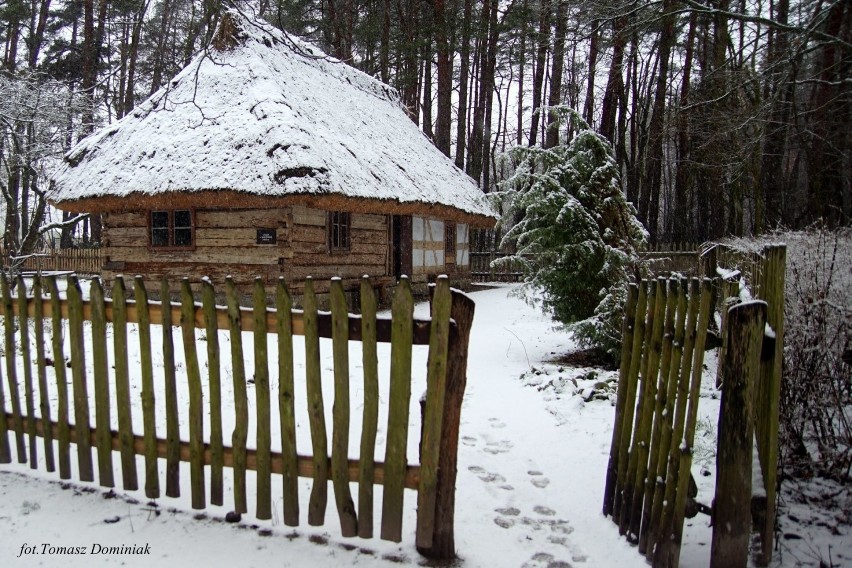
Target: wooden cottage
<point>266,157</point>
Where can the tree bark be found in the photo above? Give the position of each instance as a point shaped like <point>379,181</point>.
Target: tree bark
<point>464,71</point>
<point>558,64</point>
<point>443,124</point>
<point>538,77</point>
<point>589,106</point>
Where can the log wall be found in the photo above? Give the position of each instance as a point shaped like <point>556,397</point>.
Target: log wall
<point>226,245</point>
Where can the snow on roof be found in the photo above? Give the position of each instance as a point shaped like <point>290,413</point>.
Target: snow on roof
<point>264,114</point>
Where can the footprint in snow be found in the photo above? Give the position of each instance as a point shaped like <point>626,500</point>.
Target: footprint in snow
<point>501,447</point>
<point>496,423</point>
<point>468,440</point>
<point>545,559</point>
<point>538,479</point>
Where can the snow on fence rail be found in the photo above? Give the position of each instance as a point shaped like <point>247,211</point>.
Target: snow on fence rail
<point>445,334</point>
<point>665,332</point>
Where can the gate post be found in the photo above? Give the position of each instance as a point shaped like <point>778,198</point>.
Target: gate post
<point>443,539</point>
<point>740,366</point>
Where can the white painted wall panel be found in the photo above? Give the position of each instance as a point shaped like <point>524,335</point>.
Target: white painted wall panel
<point>417,228</point>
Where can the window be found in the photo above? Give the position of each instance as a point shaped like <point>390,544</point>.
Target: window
<point>449,237</point>
<point>172,229</point>
<point>338,231</point>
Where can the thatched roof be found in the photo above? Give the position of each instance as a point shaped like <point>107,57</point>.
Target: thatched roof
<point>261,119</point>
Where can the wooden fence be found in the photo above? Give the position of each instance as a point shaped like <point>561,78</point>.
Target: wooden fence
<point>665,334</point>
<point>45,312</point>
<point>79,260</point>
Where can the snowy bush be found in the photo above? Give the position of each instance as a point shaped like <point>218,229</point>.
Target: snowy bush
<point>816,389</point>
<point>573,233</point>
<point>816,395</point>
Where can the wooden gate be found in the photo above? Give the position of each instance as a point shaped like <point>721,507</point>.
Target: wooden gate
<point>47,315</point>
<point>665,335</point>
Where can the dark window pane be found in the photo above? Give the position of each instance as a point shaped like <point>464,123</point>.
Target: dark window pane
<point>183,237</point>
<point>183,219</point>
<point>159,237</point>
<point>160,219</point>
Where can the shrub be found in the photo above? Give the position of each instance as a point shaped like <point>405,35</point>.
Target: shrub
<point>576,236</point>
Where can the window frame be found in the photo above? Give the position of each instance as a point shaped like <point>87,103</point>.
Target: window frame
<point>339,220</point>
<point>171,246</point>
<point>450,239</point>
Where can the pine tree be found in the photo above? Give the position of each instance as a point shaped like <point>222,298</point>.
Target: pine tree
<point>577,236</point>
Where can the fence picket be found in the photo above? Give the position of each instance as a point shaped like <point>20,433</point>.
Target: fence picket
<point>370,419</point>
<point>41,367</point>
<point>170,389</point>
<point>100,371</point>
<point>214,381</point>
<point>628,490</point>
<point>286,405</point>
<point>436,382</point>
<point>402,313</point>
<point>669,547</point>
<point>340,411</point>
<point>122,385</point>
<point>261,390</point>
<point>648,397</point>
<point>11,369</point>
<point>196,405</point>
<point>5,449</point>
<point>627,421</point>
<point>149,424</point>
<point>769,392</point>
<point>316,411</point>
<point>63,430</point>
<point>26,356</point>
<point>662,418</point>
<point>41,370</point>
<point>78,377</point>
<point>240,434</point>
<point>627,327</point>
<point>665,471</point>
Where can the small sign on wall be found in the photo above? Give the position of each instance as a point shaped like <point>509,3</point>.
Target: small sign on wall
<point>267,237</point>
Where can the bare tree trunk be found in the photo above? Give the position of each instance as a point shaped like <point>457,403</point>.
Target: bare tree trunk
<point>38,33</point>
<point>649,198</point>
<point>682,212</point>
<point>464,72</point>
<point>589,107</point>
<point>445,81</point>
<point>522,62</point>
<point>384,47</point>
<point>558,64</point>
<point>159,53</point>
<point>540,65</point>
<point>426,105</point>
<point>615,82</point>
<point>493,36</point>
<point>477,135</point>
<point>129,91</point>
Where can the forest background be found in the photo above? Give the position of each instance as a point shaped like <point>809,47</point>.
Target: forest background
<point>727,117</point>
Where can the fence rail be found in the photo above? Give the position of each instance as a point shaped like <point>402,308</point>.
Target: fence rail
<point>433,478</point>
<point>80,260</point>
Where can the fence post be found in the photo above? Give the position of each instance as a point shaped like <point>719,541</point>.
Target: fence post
<point>443,536</point>
<point>731,509</point>
<point>769,392</point>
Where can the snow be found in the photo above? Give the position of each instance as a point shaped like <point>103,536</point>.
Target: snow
<point>272,116</point>
<point>533,451</point>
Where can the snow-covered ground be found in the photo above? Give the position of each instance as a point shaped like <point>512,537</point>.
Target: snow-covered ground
<point>534,445</point>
